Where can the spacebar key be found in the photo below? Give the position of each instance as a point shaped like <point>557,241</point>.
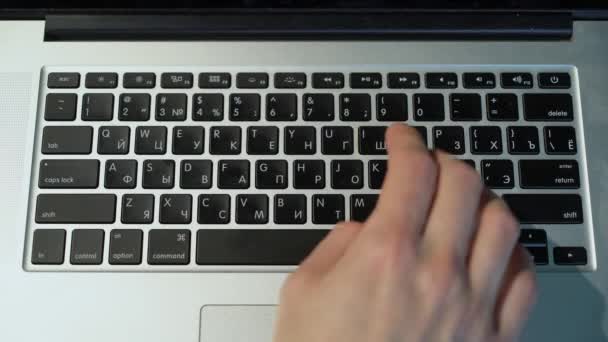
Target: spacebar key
<point>278,247</point>
<point>76,208</point>
<point>546,208</point>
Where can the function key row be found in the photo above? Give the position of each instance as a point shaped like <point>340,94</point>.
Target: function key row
<point>300,140</point>
<point>314,107</point>
<point>297,80</point>
<point>219,247</point>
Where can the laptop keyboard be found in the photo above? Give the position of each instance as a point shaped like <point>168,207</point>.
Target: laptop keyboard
<point>191,169</point>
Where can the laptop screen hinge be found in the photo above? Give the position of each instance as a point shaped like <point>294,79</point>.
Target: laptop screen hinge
<point>318,25</point>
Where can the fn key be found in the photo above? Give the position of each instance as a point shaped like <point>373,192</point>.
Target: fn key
<point>48,247</point>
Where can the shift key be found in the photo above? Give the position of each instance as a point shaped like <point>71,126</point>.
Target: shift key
<point>75,208</point>
<point>67,139</point>
<point>546,208</point>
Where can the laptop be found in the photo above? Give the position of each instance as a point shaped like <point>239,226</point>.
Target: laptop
<point>165,166</point>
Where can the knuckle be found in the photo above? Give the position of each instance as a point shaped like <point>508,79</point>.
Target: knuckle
<point>443,278</point>
<point>506,222</point>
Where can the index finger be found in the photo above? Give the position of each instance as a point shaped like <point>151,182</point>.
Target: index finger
<point>408,187</point>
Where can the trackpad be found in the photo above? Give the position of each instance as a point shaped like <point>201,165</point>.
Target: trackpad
<point>237,323</point>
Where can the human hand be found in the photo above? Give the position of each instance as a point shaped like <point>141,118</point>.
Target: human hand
<point>436,261</point>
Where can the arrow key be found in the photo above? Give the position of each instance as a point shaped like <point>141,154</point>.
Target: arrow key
<point>570,256</point>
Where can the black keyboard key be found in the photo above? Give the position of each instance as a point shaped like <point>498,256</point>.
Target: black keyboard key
<point>97,107</point>
<point>188,140</point>
<point>540,255</point>
<point>68,174</point>
<point>113,140</point>
<point>560,140</point>
<point>225,140</point>
<point>101,80</point>
<point>256,246</point>
<point>355,107</point>
<point>125,247</point>
<point>549,174</point>
<point>213,209</point>
<point>176,80</point>
<point>244,107</point>
<point>137,208</point>
<point>502,107</point>
<point>251,209</point>
<point>441,80</point>
<point>318,107</point>
<point>169,247</point>
<point>151,140</point>
<point>465,107</point>
<point>377,171</point>
<point>523,140</point>
<point>498,173</point>
<point>391,107</point>
<point>422,132</point>
<point>548,107</point>
<point>429,107</point>
<point>533,237</point>
<point>328,209</point>
<point>63,80</point>
<point>290,209</point>
<point>196,174</point>
<point>171,107</point>
<point>134,107</point>
<point>486,140</point>
<point>479,80</point>
<point>233,174</point>
<point>208,107</point>
<point>271,174</point>
<point>361,206</point>
<point>75,208</point>
<point>300,140</point>
<point>570,256</point>
<point>403,80</point>
<point>328,80</point>
<point>158,174</point>
<point>309,174</point>
<point>290,80</point>
<point>60,107</point>
<point>346,174</point>
<point>281,107</point>
<point>120,174</point>
<point>87,247</point>
<point>252,80</point>
<point>546,208</point>
<point>371,140</point>
<point>449,139</point>
<point>48,246</point>
<point>365,80</point>
<point>262,140</point>
<point>67,140</point>
<point>554,80</point>
<point>516,80</point>
<point>214,80</point>
<point>139,80</point>
<point>337,140</point>
<point>175,209</point>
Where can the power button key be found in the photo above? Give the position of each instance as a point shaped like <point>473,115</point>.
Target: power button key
<point>554,80</point>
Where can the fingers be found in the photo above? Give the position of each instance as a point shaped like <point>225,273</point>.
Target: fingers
<point>492,248</point>
<point>408,186</point>
<point>331,249</point>
<point>518,296</point>
<point>452,219</point>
